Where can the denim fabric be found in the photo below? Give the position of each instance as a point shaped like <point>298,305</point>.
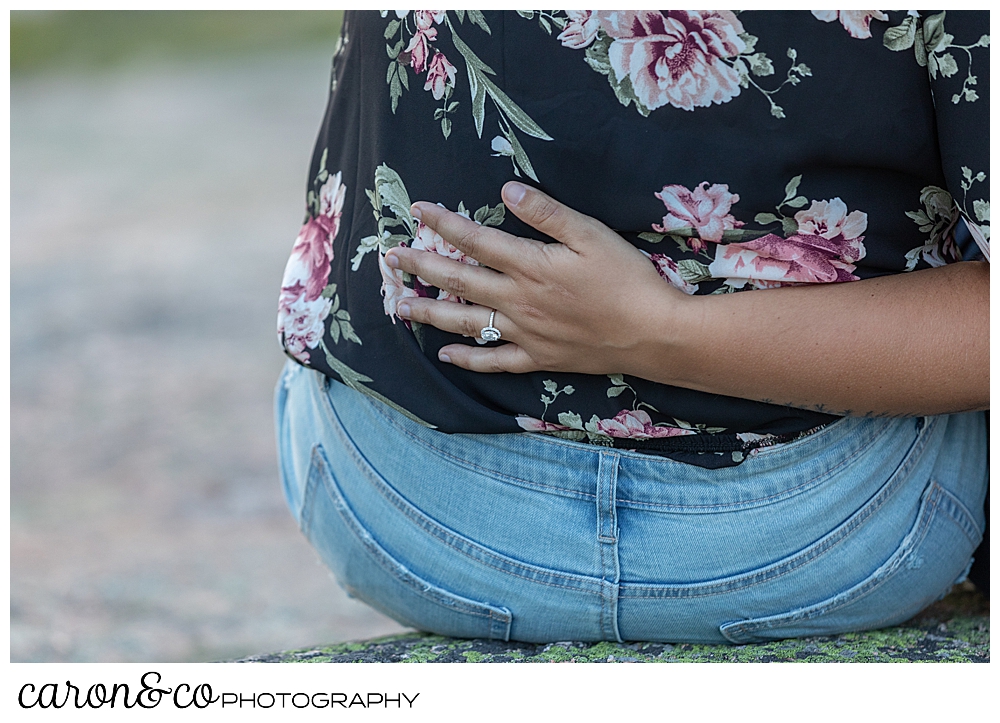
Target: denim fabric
<point>526,537</point>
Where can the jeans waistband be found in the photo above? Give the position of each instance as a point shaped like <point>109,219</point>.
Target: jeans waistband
<point>768,471</point>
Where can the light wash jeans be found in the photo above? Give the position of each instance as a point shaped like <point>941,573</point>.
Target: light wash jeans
<point>531,538</point>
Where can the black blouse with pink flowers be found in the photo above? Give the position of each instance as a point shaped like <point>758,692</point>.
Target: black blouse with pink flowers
<point>738,151</point>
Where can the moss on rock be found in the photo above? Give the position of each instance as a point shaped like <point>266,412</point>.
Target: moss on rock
<point>954,630</point>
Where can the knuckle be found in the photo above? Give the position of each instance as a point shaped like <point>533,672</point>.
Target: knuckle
<point>424,313</point>
<point>528,311</point>
<point>545,359</point>
<point>454,283</point>
<point>468,327</point>
<point>546,212</point>
<point>471,240</point>
<point>495,364</point>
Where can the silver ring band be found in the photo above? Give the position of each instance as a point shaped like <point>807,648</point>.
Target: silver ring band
<point>490,332</point>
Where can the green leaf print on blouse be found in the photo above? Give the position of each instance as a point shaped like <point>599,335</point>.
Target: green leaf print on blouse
<point>421,55</point>
<point>356,381</point>
<point>931,43</point>
<point>685,59</point>
<point>633,423</point>
<point>307,298</point>
<point>980,208</point>
<point>938,217</point>
<point>390,192</point>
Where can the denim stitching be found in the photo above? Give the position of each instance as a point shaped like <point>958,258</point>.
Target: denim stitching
<point>504,619</point>
<point>962,517</point>
<point>634,504</point>
<point>539,486</point>
<point>305,521</point>
<point>929,510</point>
<point>449,538</point>
<point>814,551</point>
<point>383,559</point>
<point>607,543</point>
<point>759,501</point>
<point>606,487</point>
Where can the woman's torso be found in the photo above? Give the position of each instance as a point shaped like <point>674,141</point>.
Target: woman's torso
<point>738,151</point>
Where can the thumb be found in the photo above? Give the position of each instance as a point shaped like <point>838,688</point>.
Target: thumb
<point>552,218</point>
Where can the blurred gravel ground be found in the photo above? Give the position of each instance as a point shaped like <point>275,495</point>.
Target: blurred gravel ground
<point>152,211</point>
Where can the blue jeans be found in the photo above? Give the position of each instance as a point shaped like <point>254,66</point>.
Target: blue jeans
<point>531,538</point>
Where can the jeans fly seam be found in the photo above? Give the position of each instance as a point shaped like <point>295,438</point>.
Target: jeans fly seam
<point>539,486</point>
<point>387,562</point>
<point>475,551</point>
<point>811,553</point>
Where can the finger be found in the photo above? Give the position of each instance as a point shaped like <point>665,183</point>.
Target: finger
<point>552,218</point>
<point>490,360</point>
<point>474,283</point>
<point>467,320</point>
<point>489,246</point>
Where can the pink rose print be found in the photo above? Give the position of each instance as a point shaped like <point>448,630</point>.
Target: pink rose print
<point>418,50</point>
<point>301,308</point>
<point>301,320</point>
<point>440,74</point>
<point>636,424</point>
<point>669,272</point>
<point>830,219</point>
<point>427,239</point>
<point>393,289</point>
<point>855,22</point>
<point>676,58</point>
<point>581,29</point>
<point>430,240</point>
<point>705,209</point>
<point>530,424</point>
<point>309,263</point>
<point>824,250</point>
<point>426,18</point>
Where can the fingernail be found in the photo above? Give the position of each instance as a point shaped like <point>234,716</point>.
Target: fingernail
<point>391,261</point>
<point>403,310</point>
<point>513,192</point>
<point>444,357</point>
<point>415,211</point>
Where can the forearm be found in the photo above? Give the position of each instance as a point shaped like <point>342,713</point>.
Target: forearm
<point>907,344</point>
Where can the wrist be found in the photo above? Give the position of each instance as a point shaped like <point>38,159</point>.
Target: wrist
<point>673,335</point>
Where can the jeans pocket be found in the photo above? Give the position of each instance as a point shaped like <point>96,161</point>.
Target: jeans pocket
<point>929,560</point>
<point>369,572</point>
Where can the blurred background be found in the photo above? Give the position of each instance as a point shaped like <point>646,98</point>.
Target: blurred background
<point>158,174</point>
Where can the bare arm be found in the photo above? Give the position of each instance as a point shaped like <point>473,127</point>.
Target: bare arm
<point>909,344</point>
<point>906,344</point>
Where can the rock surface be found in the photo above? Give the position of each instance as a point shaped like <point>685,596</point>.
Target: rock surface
<point>954,630</point>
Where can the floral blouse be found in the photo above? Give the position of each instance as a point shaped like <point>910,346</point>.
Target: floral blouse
<point>739,151</point>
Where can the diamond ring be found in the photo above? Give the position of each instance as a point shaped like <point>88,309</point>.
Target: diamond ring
<point>490,332</point>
